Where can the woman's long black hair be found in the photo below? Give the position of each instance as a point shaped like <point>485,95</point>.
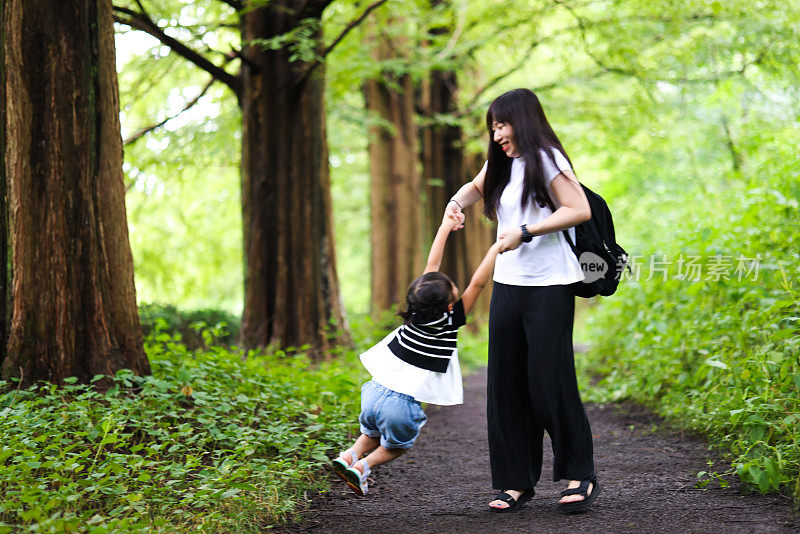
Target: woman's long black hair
<point>521,109</point>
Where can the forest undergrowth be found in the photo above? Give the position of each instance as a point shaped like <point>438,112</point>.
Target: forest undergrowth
<point>217,439</point>
<point>710,338</point>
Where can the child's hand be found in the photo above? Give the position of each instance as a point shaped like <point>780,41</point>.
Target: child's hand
<point>453,220</point>
<point>509,240</point>
<point>454,213</point>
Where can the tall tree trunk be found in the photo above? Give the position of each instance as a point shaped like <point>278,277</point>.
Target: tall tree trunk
<point>291,288</point>
<point>74,302</point>
<point>395,184</point>
<point>3,202</point>
<point>445,169</point>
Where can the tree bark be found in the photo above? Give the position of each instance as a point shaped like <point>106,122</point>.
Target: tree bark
<point>3,203</point>
<point>395,192</point>
<point>74,301</point>
<point>291,287</point>
<point>445,170</point>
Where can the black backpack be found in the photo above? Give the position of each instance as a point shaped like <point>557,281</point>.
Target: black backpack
<point>602,259</point>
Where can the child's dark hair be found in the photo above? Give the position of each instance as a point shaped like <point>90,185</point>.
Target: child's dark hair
<point>427,298</point>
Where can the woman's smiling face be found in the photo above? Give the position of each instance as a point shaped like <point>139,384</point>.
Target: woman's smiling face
<point>503,134</point>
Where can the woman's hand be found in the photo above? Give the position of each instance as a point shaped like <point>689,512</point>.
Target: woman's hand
<point>510,240</point>
<point>453,212</point>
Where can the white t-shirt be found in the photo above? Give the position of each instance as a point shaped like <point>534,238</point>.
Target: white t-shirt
<point>548,259</point>
<point>425,386</point>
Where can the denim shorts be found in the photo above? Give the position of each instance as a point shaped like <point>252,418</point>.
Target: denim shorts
<point>396,417</point>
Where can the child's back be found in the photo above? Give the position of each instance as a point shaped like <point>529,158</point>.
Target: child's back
<point>420,358</point>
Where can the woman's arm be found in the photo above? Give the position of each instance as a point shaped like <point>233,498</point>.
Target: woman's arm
<point>573,211</point>
<point>469,194</point>
<point>479,278</point>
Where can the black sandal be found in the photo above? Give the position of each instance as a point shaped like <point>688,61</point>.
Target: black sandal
<point>588,498</point>
<point>513,504</point>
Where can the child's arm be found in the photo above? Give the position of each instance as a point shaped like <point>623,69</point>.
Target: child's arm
<point>437,248</point>
<point>479,278</point>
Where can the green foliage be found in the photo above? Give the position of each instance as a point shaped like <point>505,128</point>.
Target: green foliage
<point>182,179</point>
<point>721,353</point>
<point>194,328</point>
<point>350,193</point>
<point>473,345</point>
<point>301,41</point>
<point>367,330</point>
<point>215,441</point>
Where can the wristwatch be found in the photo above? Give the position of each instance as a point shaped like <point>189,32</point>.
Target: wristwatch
<point>526,235</point>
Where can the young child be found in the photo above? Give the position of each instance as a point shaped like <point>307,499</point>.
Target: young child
<point>418,362</point>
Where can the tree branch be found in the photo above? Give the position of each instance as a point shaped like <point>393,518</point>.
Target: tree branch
<point>500,77</point>
<point>502,29</point>
<point>638,74</point>
<point>454,36</point>
<point>736,156</point>
<point>353,24</point>
<point>188,106</point>
<point>143,22</point>
<point>244,59</point>
<point>537,89</point>
<point>372,7</point>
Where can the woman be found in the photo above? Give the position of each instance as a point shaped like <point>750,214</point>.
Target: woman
<point>528,185</point>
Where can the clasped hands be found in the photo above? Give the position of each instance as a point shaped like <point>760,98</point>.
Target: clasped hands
<point>454,218</point>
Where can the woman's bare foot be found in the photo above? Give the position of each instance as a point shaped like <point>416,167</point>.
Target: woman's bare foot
<point>575,498</point>
<point>502,504</point>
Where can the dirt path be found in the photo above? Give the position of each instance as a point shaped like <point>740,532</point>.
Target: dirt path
<point>443,485</point>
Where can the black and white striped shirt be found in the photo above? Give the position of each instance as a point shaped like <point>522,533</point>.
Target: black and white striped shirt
<point>431,345</point>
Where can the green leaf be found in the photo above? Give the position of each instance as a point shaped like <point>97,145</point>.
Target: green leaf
<point>231,492</point>
<point>787,333</point>
<point>134,497</point>
<point>715,363</point>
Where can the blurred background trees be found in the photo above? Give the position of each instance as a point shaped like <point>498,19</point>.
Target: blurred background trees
<point>291,291</point>
<point>653,96</point>
<point>287,162</point>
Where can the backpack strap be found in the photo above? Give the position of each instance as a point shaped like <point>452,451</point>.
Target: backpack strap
<point>569,240</point>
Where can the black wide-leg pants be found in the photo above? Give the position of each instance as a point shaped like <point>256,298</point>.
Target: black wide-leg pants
<point>532,387</point>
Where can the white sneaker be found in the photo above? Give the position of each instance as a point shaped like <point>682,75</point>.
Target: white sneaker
<point>356,479</point>
<point>340,465</point>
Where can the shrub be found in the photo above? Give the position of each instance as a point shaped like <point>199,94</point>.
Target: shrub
<point>194,328</point>
<point>716,355</point>
<point>213,440</point>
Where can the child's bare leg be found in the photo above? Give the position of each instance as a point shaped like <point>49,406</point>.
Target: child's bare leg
<point>381,455</point>
<point>363,445</point>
